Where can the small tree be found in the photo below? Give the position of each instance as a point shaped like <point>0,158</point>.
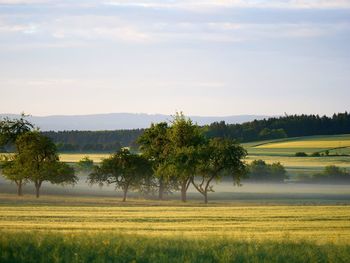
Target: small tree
<point>38,161</point>
<point>124,169</point>
<point>217,158</point>
<point>10,130</point>
<point>12,170</point>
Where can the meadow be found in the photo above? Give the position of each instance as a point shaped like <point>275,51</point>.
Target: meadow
<point>153,231</point>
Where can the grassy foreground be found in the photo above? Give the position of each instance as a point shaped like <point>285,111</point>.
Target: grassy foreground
<point>59,247</point>
<point>150,232</point>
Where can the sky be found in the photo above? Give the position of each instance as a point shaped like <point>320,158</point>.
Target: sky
<point>205,57</point>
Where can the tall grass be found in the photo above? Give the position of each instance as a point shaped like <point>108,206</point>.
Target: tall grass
<point>82,247</point>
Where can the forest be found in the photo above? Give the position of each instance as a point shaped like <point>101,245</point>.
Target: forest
<point>272,128</point>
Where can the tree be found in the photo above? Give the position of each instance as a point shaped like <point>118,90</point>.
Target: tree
<point>217,158</point>
<point>184,138</point>
<point>154,145</point>
<point>124,169</point>
<point>10,130</point>
<point>38,161</point>
<point>85,164</point>
<point>11,170</point>
<point>277,172</point>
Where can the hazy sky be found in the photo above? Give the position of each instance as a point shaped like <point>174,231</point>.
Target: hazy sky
<point>203,57</point>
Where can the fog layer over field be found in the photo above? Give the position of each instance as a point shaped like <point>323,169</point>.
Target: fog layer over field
<point>224,191</point>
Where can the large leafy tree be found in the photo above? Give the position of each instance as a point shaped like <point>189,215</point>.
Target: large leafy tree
<point>217,158</point>
<point>38,161</point>
<point>124,169</point>
<point>184,138</point>
<point>154,145</point>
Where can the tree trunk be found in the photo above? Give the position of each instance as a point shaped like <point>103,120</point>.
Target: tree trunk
<point>161,189</point>
<point>19,187</point>
<point>184,191</point>
<point>125,191</point>
<point>37,189</point>
<point>205,194</point>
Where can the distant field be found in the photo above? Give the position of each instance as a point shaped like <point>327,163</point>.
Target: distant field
<point>76,157</point>
<point>339,144</point>
<point>283,151</point>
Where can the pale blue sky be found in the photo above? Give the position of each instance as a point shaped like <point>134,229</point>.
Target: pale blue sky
<point>203,57</point>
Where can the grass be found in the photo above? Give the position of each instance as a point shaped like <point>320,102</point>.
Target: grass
<point>320,224</point>
<point>153,231</point>
<point>106,247</point>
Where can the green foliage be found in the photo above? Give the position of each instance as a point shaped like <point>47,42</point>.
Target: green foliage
<point>315,154</point>
<point>155,145</point>
<point>280,127</point>
<point>94,141</point>
<point>10,129</point>
<point>259,170</point>
<point>124,169</point>
<point>82,247</point>
<point>184,140</point>
<point>85,164</point>
<point>36,160</point>
<point>332,173</point>
<point>216,158</point>
<point>300,154</point>
<point>269,134</point>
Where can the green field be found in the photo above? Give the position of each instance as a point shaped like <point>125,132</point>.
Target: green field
<point>335,144</point>
<point>151,231</point>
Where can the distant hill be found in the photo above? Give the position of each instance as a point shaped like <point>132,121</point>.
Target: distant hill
<point>118,121</point>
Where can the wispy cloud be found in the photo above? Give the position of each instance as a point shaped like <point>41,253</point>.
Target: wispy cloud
<point>207,4</point>
<point>65,30</point>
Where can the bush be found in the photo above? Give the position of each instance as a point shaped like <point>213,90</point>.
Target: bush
<point>300,154</point>
<point>316,154</point>
<point>259,170</point>
<point>332,173</point>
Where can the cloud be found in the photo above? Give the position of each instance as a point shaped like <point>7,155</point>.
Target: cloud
<point>208,4</point>
<point>95,28</point>
<point>25,2</point>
